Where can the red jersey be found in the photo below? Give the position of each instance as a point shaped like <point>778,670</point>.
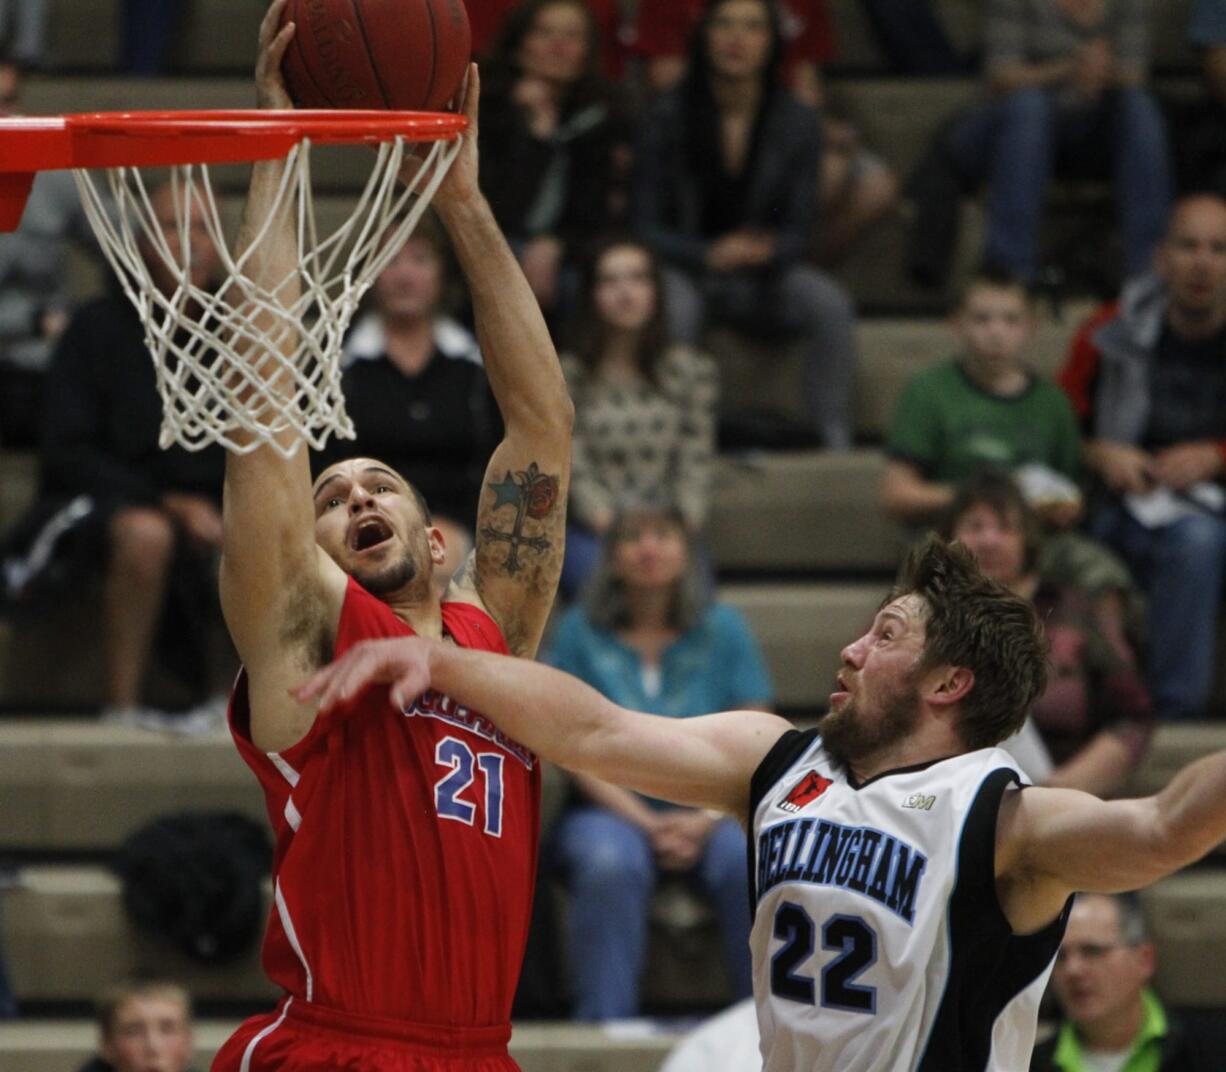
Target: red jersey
<point>665,27</point>
<point>406,846</point>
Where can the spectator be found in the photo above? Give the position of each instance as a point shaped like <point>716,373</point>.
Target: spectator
<point>550,138</point>
<point>983,408</point>
<point>143,1027</point>
<point>1207,30</point>
<point>855,188</point>
<point>486,16</point>
<point>726,169</point>
<point>147,28</point>
<point>1095,716</point>
<point>644,408</point>
<point>914,39</point>
<point>158,509</point>
<point>1148,380</point>
<point>34,299</point>
<point>1112,1019</point>
<point>1069,79</point>
<point>647,635</point>
<point>23,31</point>
<point>416,390</point>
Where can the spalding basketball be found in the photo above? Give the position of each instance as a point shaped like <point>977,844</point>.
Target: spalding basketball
<point>408,55</point>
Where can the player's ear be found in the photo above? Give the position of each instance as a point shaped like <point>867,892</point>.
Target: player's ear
<point>438,545</point>
<point>946,685</point>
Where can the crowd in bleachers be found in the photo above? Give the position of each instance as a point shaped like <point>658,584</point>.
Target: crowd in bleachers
<point>665,171</point>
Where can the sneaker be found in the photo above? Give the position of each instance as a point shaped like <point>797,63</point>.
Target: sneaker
<point>207,719</point>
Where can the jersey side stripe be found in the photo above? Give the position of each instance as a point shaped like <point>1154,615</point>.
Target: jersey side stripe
<point>292,815</point>
<point>287,772</point>
<point>979,988</point>
<point>249,1052</point>
<point>288,924</point>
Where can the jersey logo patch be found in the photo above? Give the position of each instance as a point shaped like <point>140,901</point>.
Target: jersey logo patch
<point>919,802</point>
<point>807,790</point>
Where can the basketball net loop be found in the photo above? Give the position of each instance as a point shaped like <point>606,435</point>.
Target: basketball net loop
<point>237,365</point>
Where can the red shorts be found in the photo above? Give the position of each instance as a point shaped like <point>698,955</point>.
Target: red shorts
<point>303,1037</point>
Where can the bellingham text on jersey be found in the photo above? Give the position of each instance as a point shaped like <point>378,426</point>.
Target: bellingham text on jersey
<point>857,858</point>
<point>432,704</point>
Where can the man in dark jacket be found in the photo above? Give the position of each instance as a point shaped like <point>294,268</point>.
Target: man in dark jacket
<point>100,440</point>
<point>1113,1020</point>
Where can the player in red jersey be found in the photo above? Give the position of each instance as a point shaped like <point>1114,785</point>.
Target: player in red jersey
<point>405,837</point>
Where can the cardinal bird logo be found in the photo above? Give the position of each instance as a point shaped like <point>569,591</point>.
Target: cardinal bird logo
<point>809,788</point>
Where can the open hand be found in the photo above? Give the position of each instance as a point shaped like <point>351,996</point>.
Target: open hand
<point>402,662</point>
<point>460,184</point>
<point>270,91</point>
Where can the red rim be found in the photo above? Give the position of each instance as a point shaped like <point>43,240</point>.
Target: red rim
<point>163,139</point>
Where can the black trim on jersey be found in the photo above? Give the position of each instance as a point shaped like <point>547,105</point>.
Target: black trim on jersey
<point>988,964</point>
<point>777,762</point>
<point>857,786</point>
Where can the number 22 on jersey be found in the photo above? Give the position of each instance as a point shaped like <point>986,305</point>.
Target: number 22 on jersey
<point>455,796</point>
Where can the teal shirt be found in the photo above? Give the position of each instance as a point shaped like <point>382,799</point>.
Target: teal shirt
<point>715,666</point>
<point>950,428</point>
<point>1146,1055</point>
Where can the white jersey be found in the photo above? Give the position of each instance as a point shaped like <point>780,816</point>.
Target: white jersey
<point>878,942</point>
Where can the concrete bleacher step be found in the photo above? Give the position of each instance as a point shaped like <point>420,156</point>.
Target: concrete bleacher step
<point>1173,747</point>
<point>66,938</point>
<point>76,785</point>
<point>802,628</point>
<point>809,510</point>
<point>54,1046</point>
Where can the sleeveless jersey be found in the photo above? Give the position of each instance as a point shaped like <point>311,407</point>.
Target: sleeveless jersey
<point>878,942</point>
<point>406,845</point>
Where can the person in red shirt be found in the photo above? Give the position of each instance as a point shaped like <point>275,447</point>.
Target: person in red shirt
<point>856,188</point>
<point>406,836</point>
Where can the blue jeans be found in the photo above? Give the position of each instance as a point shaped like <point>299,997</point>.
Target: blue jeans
<point>611,872</point>
<point>1016,142</point>
<point>1180,568</point>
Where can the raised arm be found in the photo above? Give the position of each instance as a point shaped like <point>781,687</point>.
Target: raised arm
<point>704,762</point>
<point>1052,842</point>
<point>521,518</point>
<point>281,595</point>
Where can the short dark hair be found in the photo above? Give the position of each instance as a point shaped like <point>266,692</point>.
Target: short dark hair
<point>998,491</point>
<point>993,277</point>
<point>979,624</point>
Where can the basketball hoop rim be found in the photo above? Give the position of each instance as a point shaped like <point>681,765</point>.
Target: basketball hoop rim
<point>88,140</point>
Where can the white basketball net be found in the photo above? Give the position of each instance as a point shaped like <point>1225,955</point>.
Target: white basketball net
<point>235,365</point>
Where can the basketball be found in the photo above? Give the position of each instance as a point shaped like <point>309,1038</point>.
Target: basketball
<point>407,55</point>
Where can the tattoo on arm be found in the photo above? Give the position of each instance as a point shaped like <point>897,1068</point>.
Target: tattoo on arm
<point>533,495</point>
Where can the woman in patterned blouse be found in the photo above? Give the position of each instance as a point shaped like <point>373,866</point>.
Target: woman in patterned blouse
<point>644,406</point>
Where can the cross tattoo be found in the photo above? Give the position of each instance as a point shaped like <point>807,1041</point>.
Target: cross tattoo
<point>517,490</point>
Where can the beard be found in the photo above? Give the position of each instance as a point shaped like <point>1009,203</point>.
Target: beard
<point>848,735</point>
<point>390,578</point>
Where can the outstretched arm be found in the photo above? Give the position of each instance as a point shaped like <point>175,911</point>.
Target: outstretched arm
<point>1052,842</point>
<point>281,595</point>
<point>514,568</point>
<point>706,761</point>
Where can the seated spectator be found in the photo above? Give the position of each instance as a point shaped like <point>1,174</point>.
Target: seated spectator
<point>644,408</point>
<point>725,173</point>
<point>416,390</point>
<point>1095,717</point>
<point>550,138</point>
<point>984,408</point>
<point>1147,378</point>
<point>157,511</point>
<point>147,29</point>
<point>143,1027</point>
<point>1112,1019</point>
<point>1068,76</point>
<point>34,299</point>
<point>855,187</point>
<point>485,17</point>
<point>647,635</point>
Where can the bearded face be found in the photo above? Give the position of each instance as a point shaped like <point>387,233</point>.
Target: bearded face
<point>862,725</point>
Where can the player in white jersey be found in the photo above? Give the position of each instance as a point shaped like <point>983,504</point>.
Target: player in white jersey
<point>909,892</point>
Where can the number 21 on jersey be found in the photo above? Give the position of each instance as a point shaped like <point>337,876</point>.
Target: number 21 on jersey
<point>455,796</point>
